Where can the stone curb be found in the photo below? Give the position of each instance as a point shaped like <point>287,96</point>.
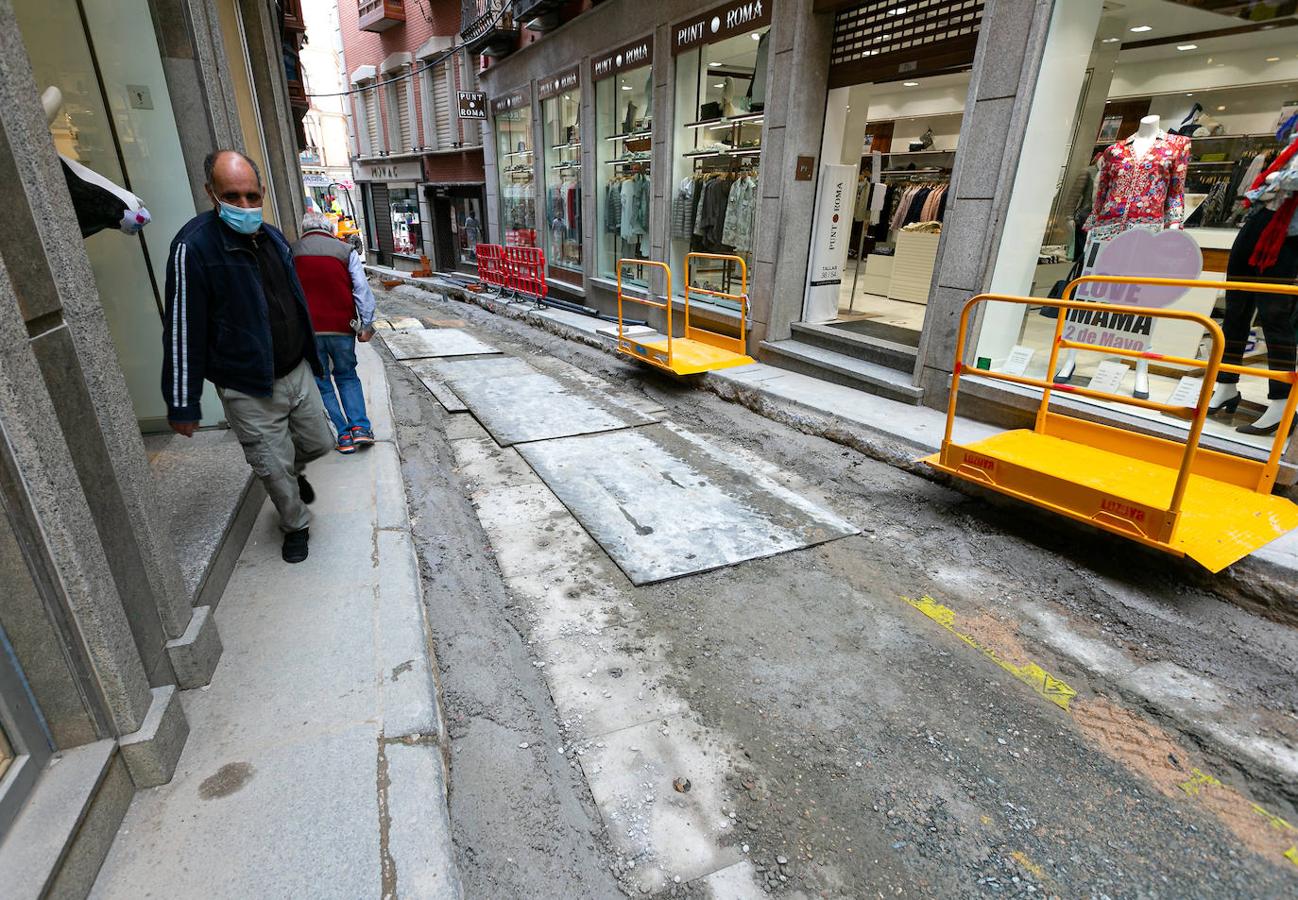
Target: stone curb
<point>416,843</point>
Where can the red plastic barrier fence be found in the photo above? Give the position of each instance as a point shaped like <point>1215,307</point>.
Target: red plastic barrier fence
<point>525,270</point>
<point>491,264</point>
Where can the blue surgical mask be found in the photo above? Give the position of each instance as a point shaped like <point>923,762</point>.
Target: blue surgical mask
<point>244,221</point>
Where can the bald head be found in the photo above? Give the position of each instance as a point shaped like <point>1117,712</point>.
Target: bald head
<point>233,178</point>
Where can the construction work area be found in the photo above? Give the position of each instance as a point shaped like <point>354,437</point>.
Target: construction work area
<point>686,649</point>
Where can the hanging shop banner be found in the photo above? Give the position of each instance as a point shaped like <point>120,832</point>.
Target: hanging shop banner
<point>514,100</point>
<point>473,104</point>
<point>628,56</point>
<point>1136,254</point>
<point>405,170</point>
<point>721,22</point>
<point>831,231</point>
<point>557,84</point>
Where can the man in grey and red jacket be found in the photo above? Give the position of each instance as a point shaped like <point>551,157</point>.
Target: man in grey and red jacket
<point>342,312</point>
<point>236,316</point>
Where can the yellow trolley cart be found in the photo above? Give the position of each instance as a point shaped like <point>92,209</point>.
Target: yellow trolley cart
<point>698,350</point>
<point>1211,506</point>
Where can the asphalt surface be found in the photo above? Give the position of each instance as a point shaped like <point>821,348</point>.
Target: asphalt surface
<point>1049,725</point>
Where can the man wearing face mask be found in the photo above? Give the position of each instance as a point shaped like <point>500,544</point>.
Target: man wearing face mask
<point>237,317</point>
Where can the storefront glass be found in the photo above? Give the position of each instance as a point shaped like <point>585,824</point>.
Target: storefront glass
<point>561,169</point>
<point>130,123</point>
<point>403,205</point>
<point>623,135</point>
<point>1146,120</point>
<point>468,227</point>
<point>720,97</point>
<point>516,166</point>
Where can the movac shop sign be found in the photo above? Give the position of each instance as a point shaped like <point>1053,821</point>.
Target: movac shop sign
<point>719,23</point>
<point>628,56</point>
<point>473,104</point>
<point>407,170</point>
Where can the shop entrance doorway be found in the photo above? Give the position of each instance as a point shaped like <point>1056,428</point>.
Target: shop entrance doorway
<point>900,136</point>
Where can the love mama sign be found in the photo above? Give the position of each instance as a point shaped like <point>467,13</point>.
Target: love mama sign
<point>1132,254</point>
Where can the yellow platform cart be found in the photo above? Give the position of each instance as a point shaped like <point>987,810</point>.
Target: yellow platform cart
<point>1211,506</point>
<point>698,350</point>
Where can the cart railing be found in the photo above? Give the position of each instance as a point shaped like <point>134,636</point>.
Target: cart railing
<point>645,301</point>
<point>707,336</point>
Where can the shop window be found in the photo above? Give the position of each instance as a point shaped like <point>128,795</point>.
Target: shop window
<point>561,134</point>
<point>720,98</point>
<point>516,167</point>
<point>403,205</point>
<point>1167,129</point>
<point>623,138</point>
<point>468,226</point>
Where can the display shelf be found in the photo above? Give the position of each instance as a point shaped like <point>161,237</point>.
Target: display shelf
<point>914,152</point>
<point>519,153</point>
<point>707,154</point>
<point>566,165</point>
<point>631,136</point>
<point>742,119</point>
<point>626,162</point>
<point>573,145</point>
<point>1211,137</point>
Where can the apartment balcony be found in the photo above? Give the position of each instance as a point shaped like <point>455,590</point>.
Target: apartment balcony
<point>539,15</point>
<point>488,27</point>
<point>380,15</point>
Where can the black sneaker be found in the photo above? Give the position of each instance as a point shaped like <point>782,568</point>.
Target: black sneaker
<point>305,490</point>
<point>295,545</point>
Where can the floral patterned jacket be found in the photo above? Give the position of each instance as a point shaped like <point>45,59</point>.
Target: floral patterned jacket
<point>1140,192</point>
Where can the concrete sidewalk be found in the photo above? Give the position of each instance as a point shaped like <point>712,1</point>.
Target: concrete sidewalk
<point>314,765</point>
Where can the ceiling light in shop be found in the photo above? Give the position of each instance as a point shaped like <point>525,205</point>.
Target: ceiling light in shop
<point>1142,28</point>
<point>755,36</point>
<point>911,83</point>
<point>721,85</point>
<point>1273,59</point>
<point>1110,40</point>
<point>626,87</point>
<point>1221,109</point>
<point>1187,46</point>
<point>714,64</point>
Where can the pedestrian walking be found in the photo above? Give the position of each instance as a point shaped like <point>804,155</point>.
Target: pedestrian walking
<point>236,316</point>
<point>342,313</point>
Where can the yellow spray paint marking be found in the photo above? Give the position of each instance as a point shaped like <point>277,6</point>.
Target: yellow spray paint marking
<point>1197,782</point>
<point>1022,859</point>
<point>1060,694</point>
<point>1035,677</point>
<point>1272,819</point>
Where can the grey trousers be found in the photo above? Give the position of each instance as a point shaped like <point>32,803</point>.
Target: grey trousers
<point>280,434</point>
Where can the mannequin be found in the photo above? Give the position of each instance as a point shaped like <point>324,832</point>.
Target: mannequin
<point>1148,163</point>
<point>1267,248</point>
<point>98,203</point>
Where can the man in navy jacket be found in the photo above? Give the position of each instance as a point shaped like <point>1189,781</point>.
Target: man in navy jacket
<point>236,316</point>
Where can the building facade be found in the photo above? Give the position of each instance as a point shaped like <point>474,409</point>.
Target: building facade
<point>326,158</point>
<point>417,163</point>
<point>875,165</point>
<point>101,625</point>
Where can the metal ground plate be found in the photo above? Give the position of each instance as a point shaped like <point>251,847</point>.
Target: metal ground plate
<point>665,503</point>
<point>526,407</point>
<point>434,342</point>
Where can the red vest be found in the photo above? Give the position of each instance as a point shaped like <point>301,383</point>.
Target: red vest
<point>321,263</point>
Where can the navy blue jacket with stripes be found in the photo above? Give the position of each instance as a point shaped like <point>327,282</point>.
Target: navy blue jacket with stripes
<point>216,325</point>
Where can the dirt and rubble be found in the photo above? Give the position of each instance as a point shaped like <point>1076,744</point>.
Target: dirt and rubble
<point>879,753</point>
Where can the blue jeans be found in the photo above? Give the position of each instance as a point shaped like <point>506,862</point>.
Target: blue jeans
<point>338,356</point>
